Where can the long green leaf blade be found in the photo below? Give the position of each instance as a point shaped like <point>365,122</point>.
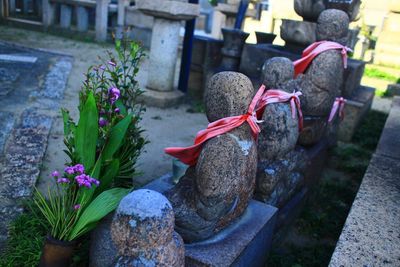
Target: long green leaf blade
<point>87,133</point>
<point>117,135</point>
<point>97,209</point>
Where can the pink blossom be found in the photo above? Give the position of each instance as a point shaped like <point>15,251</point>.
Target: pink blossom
<point>77,207</point>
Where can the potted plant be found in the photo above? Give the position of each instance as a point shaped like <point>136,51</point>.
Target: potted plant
<point>102,148</point>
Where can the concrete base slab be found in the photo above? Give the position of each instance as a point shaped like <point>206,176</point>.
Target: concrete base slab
<point>246,242</point>
<point>161,99</point>
<point>355,110</point>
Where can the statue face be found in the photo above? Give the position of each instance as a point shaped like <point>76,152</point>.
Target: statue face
<point>309,9</point>
<point>333,25</point>
<point>277,71</point>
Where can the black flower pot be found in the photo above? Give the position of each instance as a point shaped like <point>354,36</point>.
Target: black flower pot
<point>56,253</point>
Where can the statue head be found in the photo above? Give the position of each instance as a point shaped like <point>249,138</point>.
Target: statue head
<point>228,93</point>
<point>277,71</point>
<point>333,25</point>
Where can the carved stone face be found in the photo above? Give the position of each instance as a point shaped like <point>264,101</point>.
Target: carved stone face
<point>333,25</point>
<point>277,71</point>
<point>228,94</point>
<point>309,9</point>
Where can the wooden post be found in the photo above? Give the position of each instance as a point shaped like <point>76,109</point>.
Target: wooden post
<point>101,19</point>
<point>48,13</point>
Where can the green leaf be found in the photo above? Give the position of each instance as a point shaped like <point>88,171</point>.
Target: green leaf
<point>66,120</point>
<point>97,209</point>
<point>117,135</point>
<point>87,133</point>
<point>108,177</point>
<point>121,107</point>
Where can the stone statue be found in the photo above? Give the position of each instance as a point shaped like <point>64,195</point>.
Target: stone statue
<point>279,164</point>
<point>322,81</point>
<point>218,188</point>
<point>143,231</point>
<point>309,9</point>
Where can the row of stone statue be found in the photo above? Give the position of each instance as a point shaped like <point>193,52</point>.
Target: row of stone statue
<point>233,167</point>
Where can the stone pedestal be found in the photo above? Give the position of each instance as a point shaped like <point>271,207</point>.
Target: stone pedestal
<point>164,48</point>
<point>354,111</point>
<point>245,242</point>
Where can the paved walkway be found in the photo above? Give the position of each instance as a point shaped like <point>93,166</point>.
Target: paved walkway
<point>32,85</point>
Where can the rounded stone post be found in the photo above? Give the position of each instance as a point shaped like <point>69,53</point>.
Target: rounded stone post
<point>163,55</point>
<point>65,16</point>
<point>82,16</point>
<point>165,40</point>
<point>143,231</point>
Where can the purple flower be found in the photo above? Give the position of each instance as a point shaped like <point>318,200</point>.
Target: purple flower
<point>117,110</point>
<point>94,181</point>
<point>86,180</point>
<point>55,174</point>
<point>95,69</point>
<point>113,93</point>
<point>102,67</point>
<point>77,207</point>
<point>78,168</point>
<point>63,181</point>
<point>102,122</point>
<point>70,170</point>
<point>112,63</point>
<point>102,112</point>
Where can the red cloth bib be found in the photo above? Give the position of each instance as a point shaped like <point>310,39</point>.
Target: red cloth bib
<point>279,96</point>
<point>189,155</point>
<point>314,50</point>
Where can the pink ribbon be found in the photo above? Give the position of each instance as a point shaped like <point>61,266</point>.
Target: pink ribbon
<point>337,105</point>
<point>314,50</point>
<point>189,155</point>
<point>278,96</point>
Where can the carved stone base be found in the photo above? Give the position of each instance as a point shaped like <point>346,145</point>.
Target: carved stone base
<point>354,111</point>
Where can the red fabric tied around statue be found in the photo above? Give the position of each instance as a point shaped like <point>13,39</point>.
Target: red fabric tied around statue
<point>314,50</point>
<point>189,155</point>
<point>338,105</point>
<point>278,96</point>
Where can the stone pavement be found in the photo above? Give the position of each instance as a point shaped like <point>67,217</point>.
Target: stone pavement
<point>371,234</point>
<point>32,83</point>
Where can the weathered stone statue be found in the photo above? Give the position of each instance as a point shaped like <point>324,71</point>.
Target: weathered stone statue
<point>279,164</point>
<point>218,188</point>
<point>143,231</point>
<point>309,9</point>
<point>322,81</point>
